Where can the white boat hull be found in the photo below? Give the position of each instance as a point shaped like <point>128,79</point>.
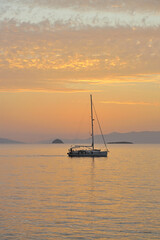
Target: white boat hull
<point>87,153</point>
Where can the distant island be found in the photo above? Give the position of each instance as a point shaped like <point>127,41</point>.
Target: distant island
<point>57,141</point>
<point>120,142</point>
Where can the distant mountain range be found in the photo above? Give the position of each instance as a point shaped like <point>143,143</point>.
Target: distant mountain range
<point>9,141</point>
<point>134,137</point>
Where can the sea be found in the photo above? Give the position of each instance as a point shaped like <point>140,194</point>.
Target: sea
<point>45,195</point>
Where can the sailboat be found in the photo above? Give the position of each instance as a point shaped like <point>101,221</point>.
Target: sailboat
<point>89,151</point>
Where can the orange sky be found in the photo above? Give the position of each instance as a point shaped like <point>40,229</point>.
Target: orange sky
<point>58,52</point>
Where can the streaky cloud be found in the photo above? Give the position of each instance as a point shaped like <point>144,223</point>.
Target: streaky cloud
<point>132,103</point>
<point>70,13</point>
<point>103,5</point>
<point>65,90</point>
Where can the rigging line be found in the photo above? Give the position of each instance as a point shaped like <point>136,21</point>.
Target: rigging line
<point>100,128</point>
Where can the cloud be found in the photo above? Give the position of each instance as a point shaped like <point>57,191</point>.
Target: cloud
<point>42,56</point>
<point>62,90</point>
<point>131,103</point>
<point>129,80</point>
<point>81,13</point>
<point>144,5</point>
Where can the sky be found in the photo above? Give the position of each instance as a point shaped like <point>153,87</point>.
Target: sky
<point>55,53</point>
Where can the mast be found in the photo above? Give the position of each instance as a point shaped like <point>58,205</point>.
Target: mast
<point>92,122</point>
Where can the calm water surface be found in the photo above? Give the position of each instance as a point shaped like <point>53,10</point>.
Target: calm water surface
<point>46,195</point>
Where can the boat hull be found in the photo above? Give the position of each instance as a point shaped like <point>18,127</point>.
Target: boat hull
<point>88,153</point>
